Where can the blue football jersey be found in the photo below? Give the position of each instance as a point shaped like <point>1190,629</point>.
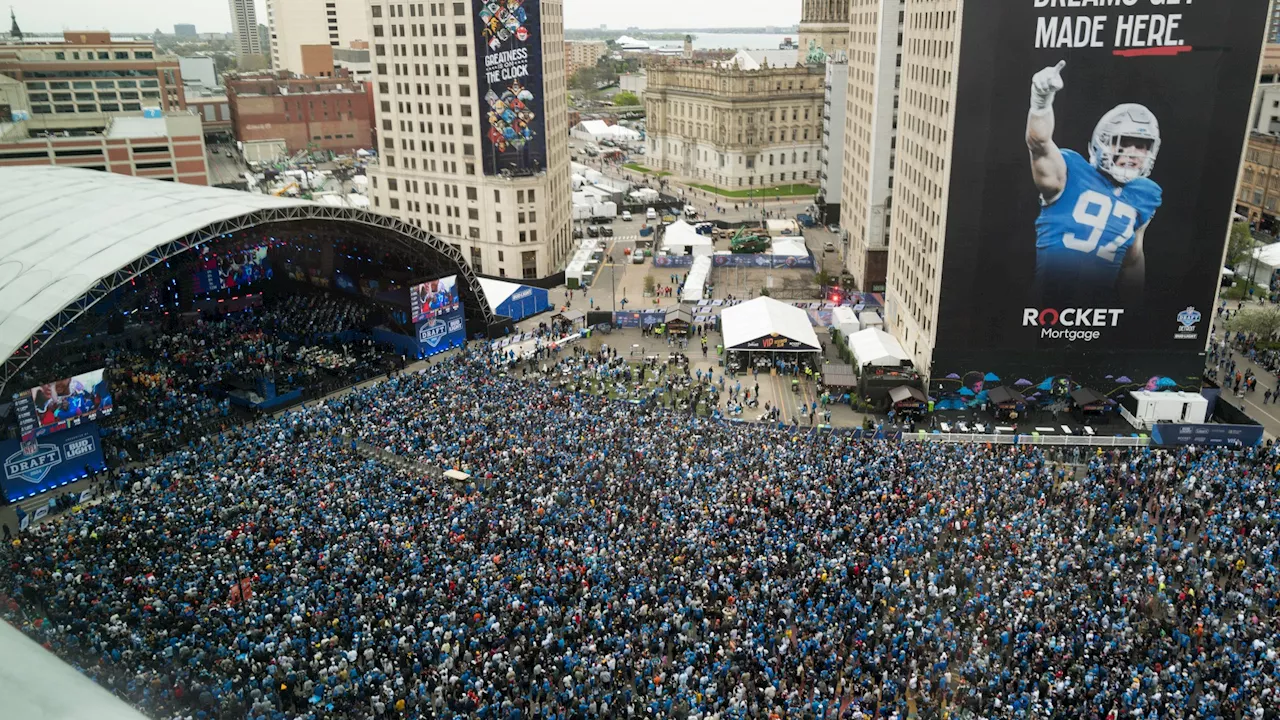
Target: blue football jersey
<point>1083,236</point>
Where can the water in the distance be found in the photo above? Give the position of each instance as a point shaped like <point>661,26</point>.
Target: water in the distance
<point>728,41</point>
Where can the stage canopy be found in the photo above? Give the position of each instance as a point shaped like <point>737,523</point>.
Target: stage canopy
<point>877,348</point>
<point>766,324</point>
<point>515,301</point>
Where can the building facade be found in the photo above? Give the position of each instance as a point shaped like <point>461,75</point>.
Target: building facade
<point>830,178</point>
<point>579,54</point>
<point>432,148</point>
<point>244,27</point>
<point>307,113</point>
<point>1259,192</point>
<point>734,124</point>
<point>91,73</point>
<point>184,30</point>
<point>826,23</point>
<point>297,24</point>
<point>871,136</point>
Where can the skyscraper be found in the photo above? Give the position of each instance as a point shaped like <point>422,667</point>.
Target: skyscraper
<point>244,26</point>
<point>473,128</point>
<point>295,24</point>
<point>826,22</point>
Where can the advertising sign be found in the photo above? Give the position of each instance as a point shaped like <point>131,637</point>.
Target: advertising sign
<point>509,70</point>
<point>33,468</point>
<point>1096,149</point>
<point>442,332</point>
<point>1206,435</point>
<point>435,298</point>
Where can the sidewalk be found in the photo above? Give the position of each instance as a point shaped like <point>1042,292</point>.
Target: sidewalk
<point>1252,404</point>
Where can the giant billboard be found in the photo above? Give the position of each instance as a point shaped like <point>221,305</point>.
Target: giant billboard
<point>508,36</point>
<point>1096,150</point>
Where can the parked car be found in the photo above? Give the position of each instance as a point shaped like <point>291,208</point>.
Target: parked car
<point>637,257</point>
<point>650,214</point>
<point>834,229</point>
<point>577,233</point>
<point>606,231</point>
<point>690,211</point>
<point>626,216</point>
<point>829,247</point>
<point>593,231</point>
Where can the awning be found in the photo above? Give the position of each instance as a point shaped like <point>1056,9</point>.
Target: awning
<point>1085,396</point>
<point>906,392</point>
<point>678,315</point>
<point>1002,395</point>
<point>839,375</point>
<point>767,324</point>
<point>570,315</point>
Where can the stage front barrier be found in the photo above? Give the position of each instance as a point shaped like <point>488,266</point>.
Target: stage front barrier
<point>1028,439</point>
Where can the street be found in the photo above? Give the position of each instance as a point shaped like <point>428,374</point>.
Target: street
<point>1252,404</point>
<point>223,169</point>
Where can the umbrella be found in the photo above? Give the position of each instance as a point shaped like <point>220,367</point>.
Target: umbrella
<point>1109,377</point>
<point>953,376</point>
<point>1123,379</point>
<point>991,377</point>
<point>966,392</point>
<point>1022,382</point>
<point>1046,385</point>
<point>1165,382</point>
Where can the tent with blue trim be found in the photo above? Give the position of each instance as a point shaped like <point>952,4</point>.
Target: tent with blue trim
<point>515,301</point>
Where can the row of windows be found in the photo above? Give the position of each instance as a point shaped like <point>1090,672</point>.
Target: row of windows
<point>85,108</point>
<point>103,55</point>
<point>91,84</point>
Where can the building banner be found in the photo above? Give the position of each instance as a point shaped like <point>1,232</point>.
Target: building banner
<point>1096,152</point>
<point>508,38</point>
<point>50,461</point>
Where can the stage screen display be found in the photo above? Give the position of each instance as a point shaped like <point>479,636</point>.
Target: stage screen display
<point>31,468</point>
<point>1096,152</point>
<point>230,270</point>
<point>62,404</point>
<point>508,42</point>
<point>434,298</point>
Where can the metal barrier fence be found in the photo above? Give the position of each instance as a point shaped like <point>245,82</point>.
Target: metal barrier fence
<point>1029,439</point>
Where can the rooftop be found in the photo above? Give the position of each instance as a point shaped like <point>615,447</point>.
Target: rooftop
<point>137,127</point>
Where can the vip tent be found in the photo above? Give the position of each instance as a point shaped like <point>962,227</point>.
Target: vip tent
<point>769,325</point>
<point>515,301</point>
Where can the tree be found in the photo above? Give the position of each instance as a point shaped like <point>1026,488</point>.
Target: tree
<point>1263,322</point>
<point>626,97</point>
<point>1240,244</point>
<point>224,63</point>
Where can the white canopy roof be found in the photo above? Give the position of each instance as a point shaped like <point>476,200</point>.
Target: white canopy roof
<point>64,229</point>
<point>790,247</point>
<point>1268,254</point>
<point>36,684</point>
<point>681,234</point>
<point>764,317</point>
<point>498,291</point>
<point>876,347</point>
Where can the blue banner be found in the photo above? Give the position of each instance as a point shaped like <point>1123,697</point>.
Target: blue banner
<point>51,461</point>
<point>441,333</point>
<point>626,319</point>
<point>1189,434</point>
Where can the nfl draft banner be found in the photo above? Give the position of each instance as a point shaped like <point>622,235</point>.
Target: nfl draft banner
<point>1096,148</point>
<point>442,333</point>
<point>49,461</point>
<point>509,70</point>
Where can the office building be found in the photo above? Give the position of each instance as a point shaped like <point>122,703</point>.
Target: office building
<point>741,123</point>
<point>452,160</point>
<point>90,72</point>
<point>298,26</point>
<point>826,23</point>
<point>1259,191</point>
<point>871,133</point>
<point>244,27</point>
<point>199,70</point>
<point>184,31</point>
<point>579,54</point>
<point>831,162</point>
<point>306,113</point>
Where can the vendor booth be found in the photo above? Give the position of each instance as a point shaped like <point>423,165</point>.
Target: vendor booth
<point>1088,403</point>
<point>681,238</point>
<point>677,321</point>
<point>1006,403</point>
<point>909,400</point>
<point>515,301</point>
<point>768,333</point>
<point>876,348</point>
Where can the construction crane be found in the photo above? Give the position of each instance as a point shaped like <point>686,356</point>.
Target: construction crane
<point>286,189</point>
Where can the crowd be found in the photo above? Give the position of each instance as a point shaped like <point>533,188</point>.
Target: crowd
<point>614,560</point>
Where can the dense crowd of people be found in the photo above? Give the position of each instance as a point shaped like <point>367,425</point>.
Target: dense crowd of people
<point>614,560</point>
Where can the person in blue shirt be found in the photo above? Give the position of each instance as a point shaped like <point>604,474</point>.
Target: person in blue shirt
<point>1094,213</point>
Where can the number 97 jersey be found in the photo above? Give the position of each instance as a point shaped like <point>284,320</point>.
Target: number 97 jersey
<point>1082,238</point>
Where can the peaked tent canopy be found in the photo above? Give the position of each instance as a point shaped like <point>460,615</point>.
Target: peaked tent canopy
<point>513,300</point>
<point>767,324</point>
<point>877,348</point>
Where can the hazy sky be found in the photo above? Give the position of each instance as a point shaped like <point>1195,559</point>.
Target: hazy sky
<point>214,16</point>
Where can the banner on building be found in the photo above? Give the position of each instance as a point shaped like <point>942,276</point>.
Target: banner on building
<point>1095,154</point>
<point>508,41</point>
<point>50,461</point>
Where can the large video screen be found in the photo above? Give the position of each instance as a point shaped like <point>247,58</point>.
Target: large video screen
<point>62,404</point>
<point>1096,152</point>
<point>434,298</point>
<point>508,38</point>
<point>231,269</point>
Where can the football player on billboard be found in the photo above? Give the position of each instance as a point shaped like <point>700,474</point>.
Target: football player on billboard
<point>1094,213</point>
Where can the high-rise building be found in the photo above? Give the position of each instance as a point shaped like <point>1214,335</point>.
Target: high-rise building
<point>834,108</point>
<point>740,123</point>
<point>90,72</point>
<point>184,30</point>
<point>579,54</point>
<point>472,123</point>
<point>298,24</point>
<point>1059,210</point>
<point>826,23</point>
<point>871,132</point>
<point>244,27</point>
<point>1273,25</point>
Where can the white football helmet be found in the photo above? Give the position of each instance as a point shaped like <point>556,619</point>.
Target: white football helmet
<point>1129,120</point>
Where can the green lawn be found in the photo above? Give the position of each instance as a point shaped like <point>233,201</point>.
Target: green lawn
<point>761,192</point>
<point>642,169</point>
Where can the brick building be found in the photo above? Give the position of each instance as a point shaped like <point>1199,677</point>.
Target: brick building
<point>1259,190</point>
<point>92,73</point>
<point>306,113</point>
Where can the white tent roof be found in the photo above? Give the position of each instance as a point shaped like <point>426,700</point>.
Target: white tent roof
<point>1268,254</point>
<point>765,316</point>
<point>876,347</point>
<point>64,229</point>
<point>36,684</point>
<point>498,291</point>
<point>790,247</point>
<point>682,234</point>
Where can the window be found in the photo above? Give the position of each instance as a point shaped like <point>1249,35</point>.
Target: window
<point>377,11</point>
<point>462,51</point>
<point>121,55</point>
<point>460,30</point>
<point>500,256</point>
<point>143,54</point>
<point>497,196</point>
<point>59,56</point>
<point>473,214</point>
<point>531,198</point>
<point>524,236</point>
<point>519,196</point>
<point>458,9</point>
<point>472,194</point>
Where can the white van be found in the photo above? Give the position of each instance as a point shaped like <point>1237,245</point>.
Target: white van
<point>650,214</point>
<point>690,211</point>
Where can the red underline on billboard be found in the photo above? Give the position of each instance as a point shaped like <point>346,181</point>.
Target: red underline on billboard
<point>1159,51</point>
